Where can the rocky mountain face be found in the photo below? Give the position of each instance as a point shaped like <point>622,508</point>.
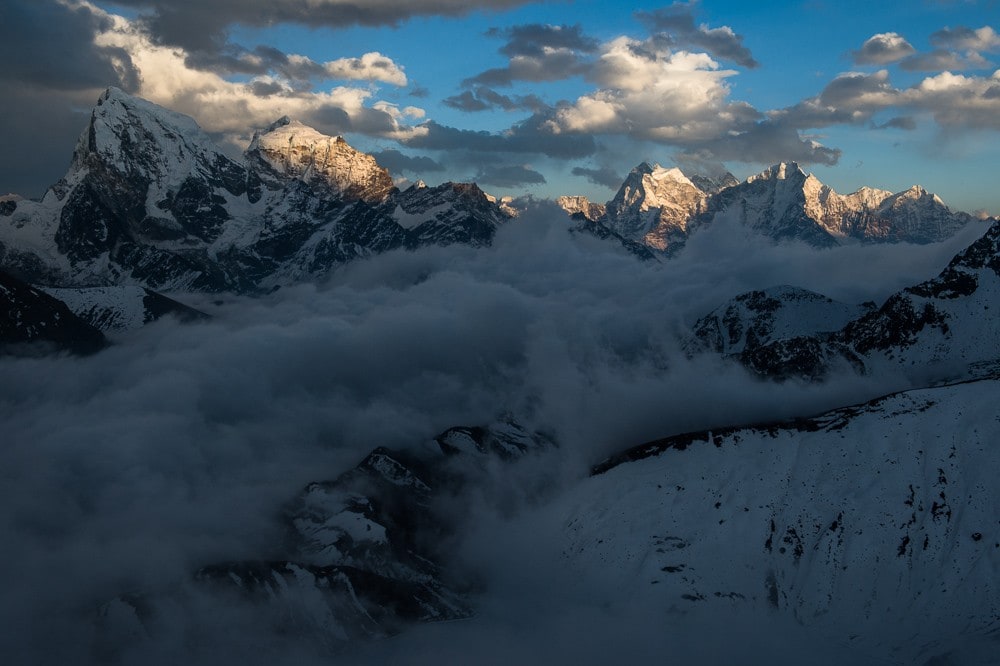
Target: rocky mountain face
<point>941,328</point>
<point>366,554</point>
<point>758,318</point>
<point>150,200</point>
<point>654,205</point>
<point>32,322</point>
<point>715,183</point>
<point>580,205</point>
<point>287,149</point>
<point>881,514</point>
<point>121,308</point>
<point>661,208</point>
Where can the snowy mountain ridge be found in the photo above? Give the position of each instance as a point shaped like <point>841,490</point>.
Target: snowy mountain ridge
<point>878,515</point>
<point>760,317</point>
<point>661,208</point>
<point>150,200</point>
<point>288,149</point>
<point>941,328</point>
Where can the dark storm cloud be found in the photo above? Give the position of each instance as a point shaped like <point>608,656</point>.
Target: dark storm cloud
<point>45,44</point>
<point>333,120</point>
<point>553,66</point>
<point>677,24</point>
<point>538,53</point>
<point>397,162</point>
<point>535,39</point>
<point>297,70</point>
<point>606,176</point>
<point>177,447</point>
<point>482,98</point>
<point>200,25</point>
<point>266,88</point>
<point>508,176</point>
<point>52,75</point>
<point>530,136</point>
<point>234,59</point>
<point>39,130</point>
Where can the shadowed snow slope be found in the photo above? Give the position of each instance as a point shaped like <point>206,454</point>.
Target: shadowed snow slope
<point>876,523</point>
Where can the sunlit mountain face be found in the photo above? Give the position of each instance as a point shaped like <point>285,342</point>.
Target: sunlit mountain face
<point>497,332</point>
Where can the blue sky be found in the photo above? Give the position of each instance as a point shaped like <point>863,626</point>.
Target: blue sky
<point>885,94</point>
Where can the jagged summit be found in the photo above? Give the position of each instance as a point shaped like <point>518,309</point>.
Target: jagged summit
<point>780,171</point>
<point>659,173</point>
<point>661,207</point>
<point>713,183</point>
<point>289,149</point>
<point>757,318</point>
<point>653,205</point>
<point>938,329</point>
<point>138,139</point>
<point>150,200</point>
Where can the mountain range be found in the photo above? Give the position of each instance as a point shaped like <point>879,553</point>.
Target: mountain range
<point>660,209</point>
<point>151,200</point>
<point>882,513</point>
<point>941,328</point>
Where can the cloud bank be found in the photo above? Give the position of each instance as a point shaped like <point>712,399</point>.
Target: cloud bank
<point>176,448</point>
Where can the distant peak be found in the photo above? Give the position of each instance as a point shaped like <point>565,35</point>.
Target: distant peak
<point>280,122</point>
<point>109,93</point>
<point>288,149</point>
<point>660,174</point>
<point>286,129</point>
<point>115,94</point>
<point>780,171</point>
<point>160,150</point>
<point>673,173</point>
<point>787,169</point>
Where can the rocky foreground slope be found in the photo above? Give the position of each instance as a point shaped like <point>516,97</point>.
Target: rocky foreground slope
<point>876,524</point>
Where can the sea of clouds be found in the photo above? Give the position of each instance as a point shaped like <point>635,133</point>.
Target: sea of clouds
<point>125,471</point>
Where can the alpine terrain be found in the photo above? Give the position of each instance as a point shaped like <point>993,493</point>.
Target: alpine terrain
<point>867,516</point>
<point>660,208</point>
<point>151,200</point>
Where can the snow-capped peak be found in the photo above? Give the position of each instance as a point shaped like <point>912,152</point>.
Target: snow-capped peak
<point>288,149</point>
<point>138,138</point>
<point>673,174</point>
<point>780,171</point>
<point>661,174</point>
<point>285,132</point>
